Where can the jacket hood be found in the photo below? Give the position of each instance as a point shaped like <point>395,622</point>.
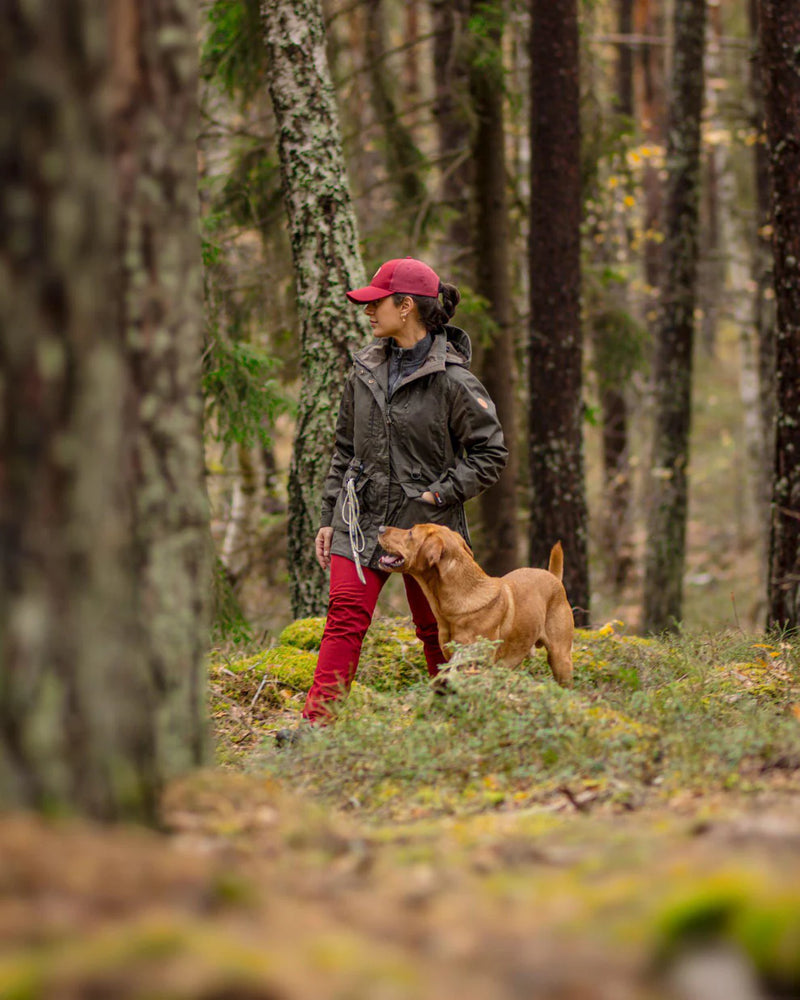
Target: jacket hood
<point>457,348</point>
<point>459,341</point>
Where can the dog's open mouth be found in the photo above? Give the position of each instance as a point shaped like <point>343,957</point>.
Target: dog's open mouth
<point>391,562</point>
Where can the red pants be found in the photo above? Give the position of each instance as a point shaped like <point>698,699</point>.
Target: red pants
<point>350,610</point>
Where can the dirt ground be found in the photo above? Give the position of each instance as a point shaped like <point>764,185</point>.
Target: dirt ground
<point>251,892</point>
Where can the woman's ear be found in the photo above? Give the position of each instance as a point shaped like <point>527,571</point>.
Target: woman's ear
<point>407,307</point>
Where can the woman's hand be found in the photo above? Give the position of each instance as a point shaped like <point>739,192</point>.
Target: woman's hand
<point>428,497</point>
<point>322,546</point>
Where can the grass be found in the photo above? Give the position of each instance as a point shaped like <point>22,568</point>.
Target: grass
<point>646,717</point>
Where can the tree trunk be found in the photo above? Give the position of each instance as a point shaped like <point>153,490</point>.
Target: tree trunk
<point>617,478</point>
<point>102,514</point>
<point>404,162</point>
<point>668,494</point>
<point>452,114</point>
<point>237,542</point>
<point>779,26</point>
<point>648,20</point>
<point>326,262</point>
<point>558,505</point>
<point>712,267</point>
<point>161,308</point>
<point>763,300</point>
<point>498,505</point>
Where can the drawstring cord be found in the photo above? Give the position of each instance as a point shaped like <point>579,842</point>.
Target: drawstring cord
<point>351,513</point>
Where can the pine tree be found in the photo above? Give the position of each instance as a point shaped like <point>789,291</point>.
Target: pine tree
<point>558,507</point>
<point>672,374</point>
<point>779,33</point>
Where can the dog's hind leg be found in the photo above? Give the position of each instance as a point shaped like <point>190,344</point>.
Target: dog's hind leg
<point>560,661</point>
<point>559,628</point>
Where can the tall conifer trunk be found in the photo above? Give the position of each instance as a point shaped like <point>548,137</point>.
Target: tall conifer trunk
<point>326,258</point>
<point>558,505</point>
<point>668,489</point>
<point>779,32</point>
<point>498,504</point>
<point>617,478</point>
<point>452,114</point>
<point>763,300</point>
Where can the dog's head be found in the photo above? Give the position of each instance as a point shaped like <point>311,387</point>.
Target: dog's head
<point>419,549</point>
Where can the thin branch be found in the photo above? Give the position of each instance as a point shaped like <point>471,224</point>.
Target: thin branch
<point>366,67</point>
<point>428,201</point>
<point>725,41</point>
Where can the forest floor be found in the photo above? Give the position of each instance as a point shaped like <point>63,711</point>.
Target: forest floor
<point>638,836</point>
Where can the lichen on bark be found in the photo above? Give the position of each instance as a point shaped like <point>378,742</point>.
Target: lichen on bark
<point>324,238</point>
<point>101,672</point>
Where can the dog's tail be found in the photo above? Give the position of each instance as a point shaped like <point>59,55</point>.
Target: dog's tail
<point>556,566</point>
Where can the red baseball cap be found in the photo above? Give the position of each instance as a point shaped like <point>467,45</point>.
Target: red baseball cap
<point>405,275</point>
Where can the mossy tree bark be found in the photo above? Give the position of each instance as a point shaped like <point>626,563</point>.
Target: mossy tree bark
<point>665,554</point>
<point>102,514</point>
<point>779,28</point>
<point>326,258</point>
<point>498,505</point>
<point>160,304</point>
<point>558,504</point>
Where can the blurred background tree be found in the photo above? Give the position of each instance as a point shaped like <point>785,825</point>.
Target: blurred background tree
<point>103,515</point>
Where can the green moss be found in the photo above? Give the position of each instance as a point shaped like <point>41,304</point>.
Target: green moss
<point>392,656</point>
<point>289,665</point>
<point>305,633</point>
<point>764,923</point>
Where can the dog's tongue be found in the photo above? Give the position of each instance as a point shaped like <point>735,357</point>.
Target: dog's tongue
<point>391,562</point>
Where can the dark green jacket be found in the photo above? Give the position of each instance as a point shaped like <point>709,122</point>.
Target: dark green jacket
<point>438,432</point>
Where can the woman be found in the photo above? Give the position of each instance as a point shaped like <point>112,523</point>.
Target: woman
<point>416,436</point>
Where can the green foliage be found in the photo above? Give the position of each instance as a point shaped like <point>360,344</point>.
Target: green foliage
<point>234,55</point>
<point>619,344</point>
<point>485,27</point>
<point>229,624</point>
<point>252,194</point>
<point>474,314</point>
<point>242,397</point>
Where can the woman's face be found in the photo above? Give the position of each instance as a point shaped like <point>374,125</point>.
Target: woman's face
<point>386,318</point>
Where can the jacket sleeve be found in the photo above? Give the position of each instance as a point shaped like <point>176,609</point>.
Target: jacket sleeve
<point>343,451</point>
<point>481,453</point>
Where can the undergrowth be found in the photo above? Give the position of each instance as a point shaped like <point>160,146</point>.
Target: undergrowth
<point>689,711</point>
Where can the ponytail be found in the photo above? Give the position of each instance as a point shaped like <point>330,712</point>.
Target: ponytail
<point>450,298</point>
<point>432,312</point>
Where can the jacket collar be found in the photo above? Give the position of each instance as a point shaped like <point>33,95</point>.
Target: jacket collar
<point>443,352</point>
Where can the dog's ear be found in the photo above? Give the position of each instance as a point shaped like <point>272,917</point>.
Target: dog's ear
<point>430,551</point>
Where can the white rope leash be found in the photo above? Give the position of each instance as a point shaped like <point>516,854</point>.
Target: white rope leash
<point>351,513</point>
